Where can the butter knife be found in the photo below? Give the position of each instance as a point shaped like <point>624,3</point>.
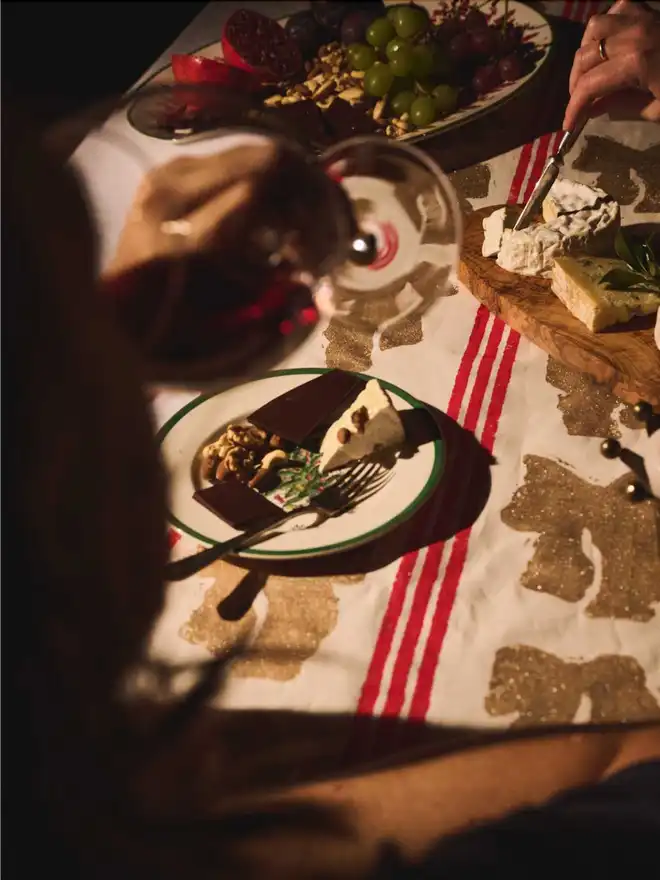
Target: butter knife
<point>550,174</point>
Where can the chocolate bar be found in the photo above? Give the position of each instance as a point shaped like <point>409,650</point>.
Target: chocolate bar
<point>239,506</point>
<point>300,413</point>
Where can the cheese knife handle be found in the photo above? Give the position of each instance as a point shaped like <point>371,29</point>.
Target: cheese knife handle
<point>568,140</point>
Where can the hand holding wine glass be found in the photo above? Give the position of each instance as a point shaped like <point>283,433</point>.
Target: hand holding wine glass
<point>215,247</point>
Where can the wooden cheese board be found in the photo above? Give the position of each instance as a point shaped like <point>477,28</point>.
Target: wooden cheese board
<point>623,358</point>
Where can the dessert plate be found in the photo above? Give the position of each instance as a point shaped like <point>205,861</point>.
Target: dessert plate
<point>412,479</point>
<point>143,116</point>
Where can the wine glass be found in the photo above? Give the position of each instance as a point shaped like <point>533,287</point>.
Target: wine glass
<point>375,213</point>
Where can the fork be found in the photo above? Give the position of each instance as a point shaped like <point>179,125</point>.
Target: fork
<point>359,482</point>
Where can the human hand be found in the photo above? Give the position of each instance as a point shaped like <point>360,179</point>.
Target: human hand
<point>629,35</point>
<point>235,207</point>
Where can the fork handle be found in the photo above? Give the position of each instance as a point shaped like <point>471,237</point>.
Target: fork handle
<point>184,568</point>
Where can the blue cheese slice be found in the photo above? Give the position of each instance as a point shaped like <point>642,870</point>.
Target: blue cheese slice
<point>369,424</point>
<point>576,282</point>
<point>577,219</point>
<point>569,197</point>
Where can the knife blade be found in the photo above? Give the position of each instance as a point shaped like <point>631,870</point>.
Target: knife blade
<point>550,174</point>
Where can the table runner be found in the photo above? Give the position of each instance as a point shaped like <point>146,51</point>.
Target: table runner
<point>526,591</point>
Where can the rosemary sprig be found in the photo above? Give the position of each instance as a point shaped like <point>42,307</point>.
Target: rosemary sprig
<point>642,272</point>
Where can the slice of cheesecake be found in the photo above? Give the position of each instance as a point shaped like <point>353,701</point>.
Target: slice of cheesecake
<point>576,282</point>
<point>370,423</point>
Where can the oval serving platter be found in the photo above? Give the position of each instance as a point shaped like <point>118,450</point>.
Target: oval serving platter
<point>410,484</point>
<point>540,34</point>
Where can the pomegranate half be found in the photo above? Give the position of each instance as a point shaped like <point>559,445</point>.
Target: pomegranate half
<point>259,45</point>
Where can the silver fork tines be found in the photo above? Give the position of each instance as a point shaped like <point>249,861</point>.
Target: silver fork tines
<point>350,488</point>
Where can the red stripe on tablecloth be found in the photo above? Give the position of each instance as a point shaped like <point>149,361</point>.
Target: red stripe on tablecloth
<point>432,562</point>
<point>371,687</point>
<point>422,694</point>
<point>455,565</point>
<point>373,681</point>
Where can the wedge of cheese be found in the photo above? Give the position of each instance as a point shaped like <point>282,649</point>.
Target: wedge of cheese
<point>369,424</point>
<point>576,282</point>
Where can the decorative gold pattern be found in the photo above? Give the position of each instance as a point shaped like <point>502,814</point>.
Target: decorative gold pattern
<point>302,611</point>
<point>562,507</point>
<point>615,163</point>
<point>543,689</point>
<point>470,183</point>
<point>396,309</point>
<point>587,408</point>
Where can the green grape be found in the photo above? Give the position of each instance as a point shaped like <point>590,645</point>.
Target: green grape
<point>402,63</point>
<point>380,32</point>
<point>402,102</point>
<point>362,57</point>
<point>423,111</point>
<point>446,98</point>
<point>378,80</point>
<point>421,62</point>
<point>392,13</point>
<point>409,21</point>
<point>395,46</point>
<point>351,50</point>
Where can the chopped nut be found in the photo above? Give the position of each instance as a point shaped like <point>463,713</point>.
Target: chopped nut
<point>276,458</point>
<point>273,101</point>
<point>404,117</point>
<point>275,441</point>
<point>327,102</point>
<point>401,125</point>
<point>292,99</point>
<point>357,74</point>
<point>302,89</point>
<point>360,417</point>
<point>209,464</point>
<point>379,109</point>
<point>391,131</point>
<point>323,91</point>
<point>343,436</point>
<point>222,472</point>
<point>353,94</point>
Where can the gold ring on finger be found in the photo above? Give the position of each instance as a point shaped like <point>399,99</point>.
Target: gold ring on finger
<point>601,50</point>
<point>176,227</point>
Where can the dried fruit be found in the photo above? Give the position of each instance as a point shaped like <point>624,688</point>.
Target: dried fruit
<point>258,44</point>
<point>307,32</point>
<point>354,26</point>
<point>330,14</point>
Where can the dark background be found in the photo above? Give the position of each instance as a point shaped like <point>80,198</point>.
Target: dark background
<point>62,56</point>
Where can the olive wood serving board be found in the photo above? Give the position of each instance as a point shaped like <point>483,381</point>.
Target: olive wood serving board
<point>624,358</point>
